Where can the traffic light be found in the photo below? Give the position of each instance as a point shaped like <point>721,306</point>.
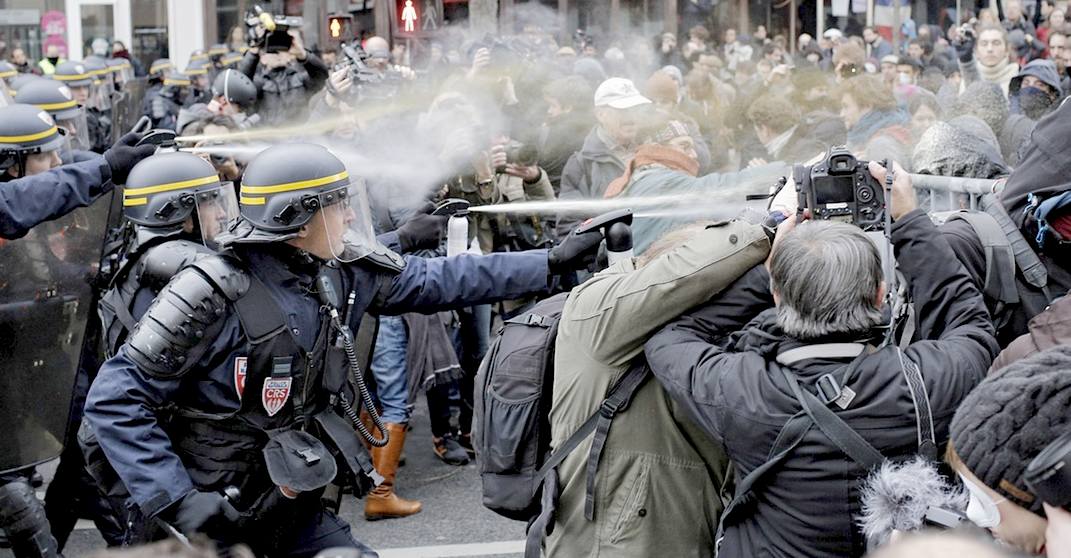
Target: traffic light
<point>338,26</point>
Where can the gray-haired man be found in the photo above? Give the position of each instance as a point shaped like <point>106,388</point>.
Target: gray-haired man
<point>827,286</point>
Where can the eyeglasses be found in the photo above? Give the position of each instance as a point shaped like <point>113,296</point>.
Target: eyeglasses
<point>982,510</point>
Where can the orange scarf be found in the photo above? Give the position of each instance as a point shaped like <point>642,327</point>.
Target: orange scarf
<point>652,154</point>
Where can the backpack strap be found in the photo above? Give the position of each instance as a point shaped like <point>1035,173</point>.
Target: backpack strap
<point>1035,272</point>
<point>618,400</point>
<point>999,280</point>
<point>920,399</point>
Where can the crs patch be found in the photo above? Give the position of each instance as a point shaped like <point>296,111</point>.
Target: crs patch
<point>275,394</point>
<point>241,370</point>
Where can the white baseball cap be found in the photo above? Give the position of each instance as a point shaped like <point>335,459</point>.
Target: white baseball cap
<point>619,93</point>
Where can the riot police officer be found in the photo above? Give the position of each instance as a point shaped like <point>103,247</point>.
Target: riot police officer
<point>43,273</point>
<point>59,101</point>
<point>7,71</point>
<point>158,71</point>
<point>198,72</point>
<point>259,396</point>
<point>165,106</point>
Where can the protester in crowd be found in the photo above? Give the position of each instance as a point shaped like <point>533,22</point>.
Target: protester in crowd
<point>888,69</point>
<point>653,447</point>
<point>1035,90</point>
<point>284,80</point>
<point>777,125</point>
<point>1015,19</point>
<point>568,120</point>
<point>47,65</point>
<point>878,48</point>
<point>827,285</point>
<point>20,61</point>
<point>664,92</point>
<point>925,112</point>
<point>848,61</point>
<point>984,54</point>
<point>877,127</point>
<point>997,431</point>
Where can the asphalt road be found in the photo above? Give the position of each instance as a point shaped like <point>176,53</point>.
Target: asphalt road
<point>452,523</point>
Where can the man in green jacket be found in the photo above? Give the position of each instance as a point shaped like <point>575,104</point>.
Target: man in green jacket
<point>659,481</point>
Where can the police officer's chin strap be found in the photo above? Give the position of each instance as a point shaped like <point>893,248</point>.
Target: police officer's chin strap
<point>327,296</point>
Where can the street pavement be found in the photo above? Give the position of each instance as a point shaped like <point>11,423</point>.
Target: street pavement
<point>452,523</point>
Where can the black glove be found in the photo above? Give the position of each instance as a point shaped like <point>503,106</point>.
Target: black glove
<point>422,231</point>
<point>576,251</point>
<point>964,44</point>
<point>206,512</point>
<point>122,156</point>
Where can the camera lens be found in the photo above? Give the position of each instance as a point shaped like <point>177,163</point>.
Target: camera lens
<point>1049,474</point>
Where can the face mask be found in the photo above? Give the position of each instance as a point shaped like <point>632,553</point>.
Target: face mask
<point>905,78</point>
<point>981,509</point>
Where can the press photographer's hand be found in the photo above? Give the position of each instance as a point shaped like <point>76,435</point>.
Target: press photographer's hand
<point>903,193</point>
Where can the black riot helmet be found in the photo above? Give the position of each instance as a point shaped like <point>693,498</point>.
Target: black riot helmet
<point>7,71</point>
<point>286,184</point>
<point>59,101</point>
<point>159,68</point>
<point>236,88</point>
<point>164,190</point>
<point>73,74</point>
<point>21,80</point>
<point>26,130</point>
<point>231,59</point>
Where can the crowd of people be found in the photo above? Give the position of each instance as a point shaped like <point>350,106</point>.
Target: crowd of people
<point>287,282</point>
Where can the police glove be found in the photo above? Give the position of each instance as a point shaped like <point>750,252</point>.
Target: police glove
<point>122,156</point>
<point>577,251</point>
<point>422,231</point>
<point>206,512</point>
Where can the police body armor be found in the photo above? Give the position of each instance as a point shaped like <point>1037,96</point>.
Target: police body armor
<point>45,303</point>
<point>256,447</point>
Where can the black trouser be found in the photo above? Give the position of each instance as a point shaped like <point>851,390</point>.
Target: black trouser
<point>22,517</point>
<point>73,494</point>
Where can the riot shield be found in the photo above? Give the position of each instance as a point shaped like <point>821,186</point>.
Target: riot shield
<point>126,107</point>
<point>45,302</point>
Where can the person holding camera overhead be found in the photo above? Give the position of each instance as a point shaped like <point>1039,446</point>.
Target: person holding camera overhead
<point>806,398</point>
<point>285,76</point>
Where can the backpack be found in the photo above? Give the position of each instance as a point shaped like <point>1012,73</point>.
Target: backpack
<point>511,416</point>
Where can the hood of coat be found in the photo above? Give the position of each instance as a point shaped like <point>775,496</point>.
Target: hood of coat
<point>1045,166</point>
<point>986,101</point>
<point>764,336</point>
<point>1044,70</point>
<point>950,150</point>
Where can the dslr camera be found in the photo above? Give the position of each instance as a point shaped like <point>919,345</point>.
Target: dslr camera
<point>840,188</point>
<point>1049,474</point>
<point>276,36</point>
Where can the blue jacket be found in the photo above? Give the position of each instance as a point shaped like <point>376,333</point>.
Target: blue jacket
<point>123,401</point>
<point>29,201</point>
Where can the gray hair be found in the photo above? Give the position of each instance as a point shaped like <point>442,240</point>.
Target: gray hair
<point>826,276</point>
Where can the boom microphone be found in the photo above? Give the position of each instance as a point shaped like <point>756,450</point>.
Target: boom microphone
<point>908,496</point>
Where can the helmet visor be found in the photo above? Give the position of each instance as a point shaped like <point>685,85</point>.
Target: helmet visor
<point>216,210</point>
<point>100,94</point>
<point>347,223</point>
<point>74,122</point>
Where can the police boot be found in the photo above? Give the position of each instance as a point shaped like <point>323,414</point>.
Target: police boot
<point>382,502</point>
<point>22,516</point>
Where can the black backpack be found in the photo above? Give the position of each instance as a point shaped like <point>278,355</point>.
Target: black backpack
<point>511,423</point>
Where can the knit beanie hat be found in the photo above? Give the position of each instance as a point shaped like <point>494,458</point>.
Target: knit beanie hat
<point>1005,422</point>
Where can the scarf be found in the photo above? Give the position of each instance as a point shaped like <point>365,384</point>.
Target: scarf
<point>652,154</point>
<point>1001,74</point>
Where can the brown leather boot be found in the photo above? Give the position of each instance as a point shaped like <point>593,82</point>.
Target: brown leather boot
<point>382,502</point>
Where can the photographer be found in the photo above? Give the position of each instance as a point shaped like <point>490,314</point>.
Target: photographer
<point>285,80</point>
<point>984,55</point>
<point>998,430</point>
<point>827,284</point>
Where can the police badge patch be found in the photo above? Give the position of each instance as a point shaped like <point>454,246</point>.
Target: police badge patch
<point>274,395</point>
<point>241,366</point>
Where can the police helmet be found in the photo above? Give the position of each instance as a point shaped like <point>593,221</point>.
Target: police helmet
<point>198,54</point>
<point>176,79</point>
<point>217,50</point>
<point>286,184</point>
<point>231,59</point>
<point>235,87</point>
<point>7,71</point>
<point>159,68</point>
<point>96,67</point>
<point>54,97</point>
<point>25,130</point>
<point>198,67</point>
<point>163,190</point>
<point>74,74</point>
<point>21,80</point>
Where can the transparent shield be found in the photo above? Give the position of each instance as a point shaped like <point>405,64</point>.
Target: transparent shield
<point>348,224</point>
<point>216,210</point>
<point>77,130</point>
<point>100,94</point>
<point>5,99</point>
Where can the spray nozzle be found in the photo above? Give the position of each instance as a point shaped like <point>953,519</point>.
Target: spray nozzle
<point>452,207</point>
<point>616,229</point>
<point>161,138</point>
<point>606,220</point>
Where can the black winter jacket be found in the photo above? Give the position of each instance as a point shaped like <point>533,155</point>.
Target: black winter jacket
<point>283,93</point>
<point>808,506</point>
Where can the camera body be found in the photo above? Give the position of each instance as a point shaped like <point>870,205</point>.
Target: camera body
<point>840,188</point>
<point>276,37</point>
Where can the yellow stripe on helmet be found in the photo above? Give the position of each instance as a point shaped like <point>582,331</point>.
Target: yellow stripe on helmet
<point>56,106</point>
<point>246,200</point>
<point>69,77</point>
<point>29,137</point>
<point>176,82</point>
<point>146,190</point>
<point>154,69</point>
<point>290,186</point>
<point>130,202</point>
<point>196,71</point>
<point>9,73</point>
